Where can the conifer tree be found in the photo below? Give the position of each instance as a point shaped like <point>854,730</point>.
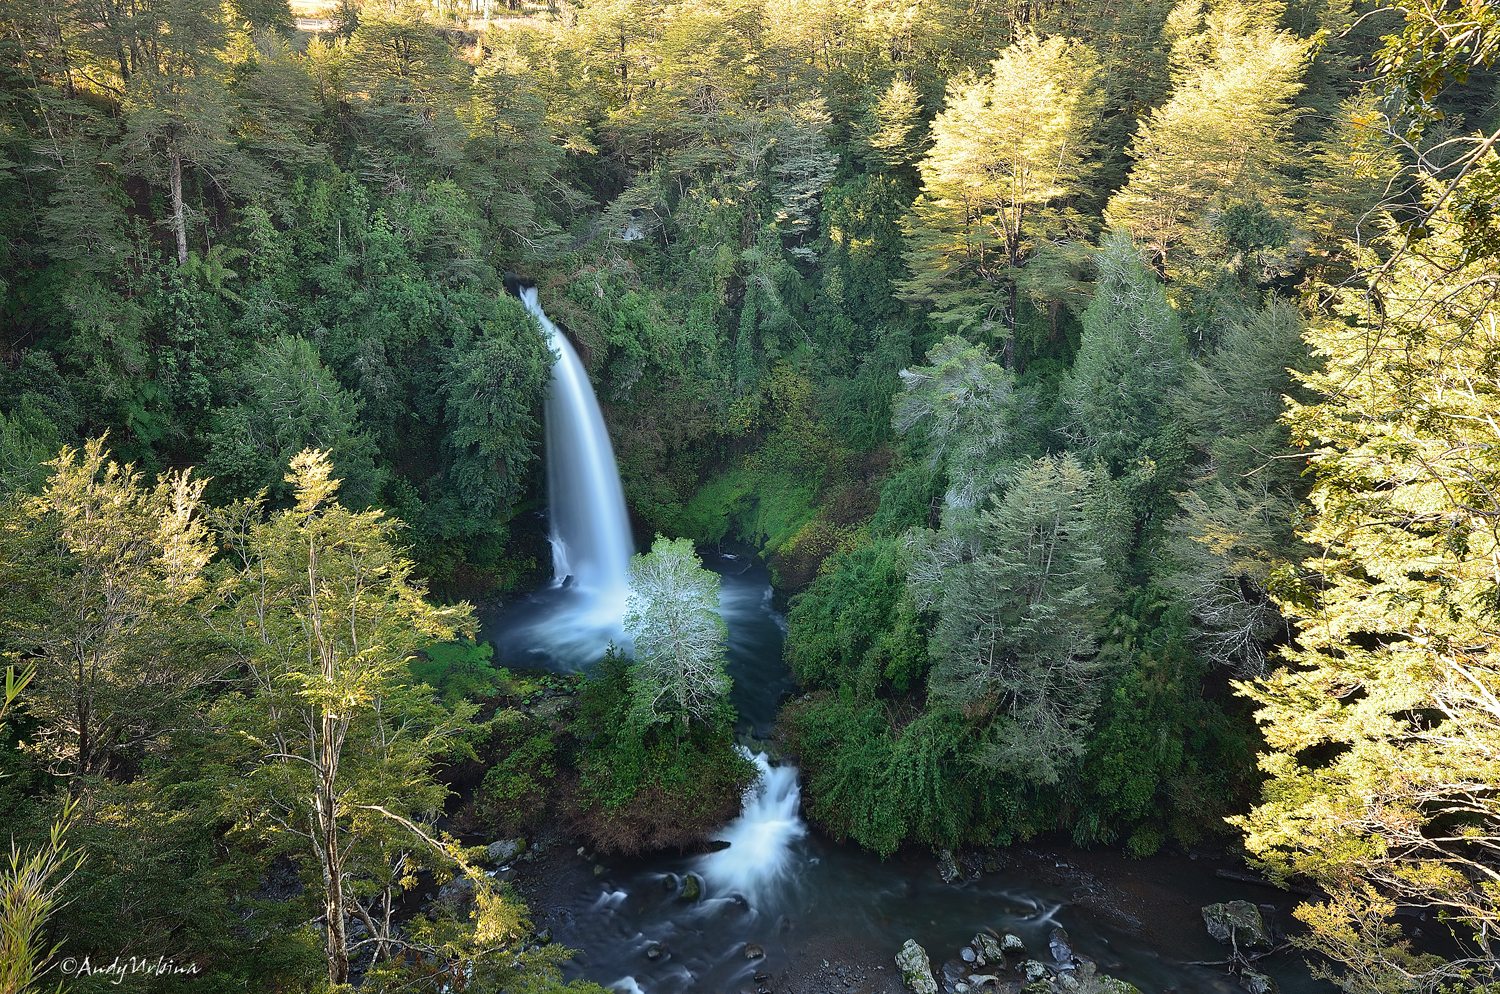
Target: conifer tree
<point>1131,358</point>
<point>1218,143</point>
<point>1009,151</point>
<point>1019,620</point>
<point>1383,727</point>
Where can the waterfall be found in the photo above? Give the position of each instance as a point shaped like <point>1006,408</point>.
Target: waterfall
<point>760,840</point>
<point>590,532</point>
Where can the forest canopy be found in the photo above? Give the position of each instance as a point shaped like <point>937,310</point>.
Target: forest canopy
<point>1111,387</point>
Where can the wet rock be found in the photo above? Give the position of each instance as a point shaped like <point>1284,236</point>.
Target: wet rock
<point>947,866</point>
<point>655,951</point>
<point>1033,970</point>
<point>544,937</point>
<point>1258,983</point>
<point>991,952</point>
<point>916,968</point>
<point>1062,947</point>
<point>1238,923</point>
<point>752,951</point>
<point>960,988</point>
<point>457,894</point>
<point>980,981</point>
<point>1012,944</point>
<point>598,870</point>
<point>968,955</point>
<point>692,887</point>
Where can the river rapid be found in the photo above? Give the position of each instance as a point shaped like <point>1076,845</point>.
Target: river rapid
<point>781,908</point>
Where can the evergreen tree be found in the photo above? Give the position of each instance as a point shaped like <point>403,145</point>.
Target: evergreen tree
<point>292,402</point>
<point>1131,359</point>
<point>892,129</point>
<point>1009,152</point>
<point>1216,149</point>
<point>1019,620</point>
<point>1382,729</point>
<point>956,413</point>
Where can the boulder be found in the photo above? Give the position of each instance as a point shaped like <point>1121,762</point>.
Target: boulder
<point>990,950</point>
<point>752,951</point>
<point>948,866</point>
<point>692,887</point>
<point>968,954</point>
<point>916,968</point>
<point>1258,983</point>
<point>1061,946</point>
<point>1012,944</point>
<point>457,895</point>
<point>1238,923</point>
<point>502,852</point>
<point>1034,971</point>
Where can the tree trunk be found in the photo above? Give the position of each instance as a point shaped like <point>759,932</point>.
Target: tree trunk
<point>179,217</point>
<point>330,857</point>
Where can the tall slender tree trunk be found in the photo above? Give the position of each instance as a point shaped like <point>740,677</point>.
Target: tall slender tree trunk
<point>179,216</point>
<point>326,831</point>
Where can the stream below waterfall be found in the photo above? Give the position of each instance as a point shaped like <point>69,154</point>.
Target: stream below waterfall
<point>830,917</point>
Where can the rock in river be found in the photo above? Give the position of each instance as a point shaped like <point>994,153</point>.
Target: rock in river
<point>991,952</point>
<point>502,852</point>
<point>1257,983</point>
<point>1062,948</point>
<point>1238,923</point>
<point>916,968</point>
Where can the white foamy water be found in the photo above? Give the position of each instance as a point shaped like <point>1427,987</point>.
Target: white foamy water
<point>760,841</point>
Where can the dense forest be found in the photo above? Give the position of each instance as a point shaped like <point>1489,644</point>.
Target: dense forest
<point>1110,385</point>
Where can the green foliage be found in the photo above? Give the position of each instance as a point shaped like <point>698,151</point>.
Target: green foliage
<point>1009,150</point>
<point>515,792</point>
<point>1393,666</point>
<point>461,670</point>
<point>644,787</point>
<point>856,617</point>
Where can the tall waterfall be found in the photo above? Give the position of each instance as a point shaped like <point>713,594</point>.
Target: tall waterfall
<point>590,532</point>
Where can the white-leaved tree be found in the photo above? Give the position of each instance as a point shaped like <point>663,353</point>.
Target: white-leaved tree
<point>673,617</point>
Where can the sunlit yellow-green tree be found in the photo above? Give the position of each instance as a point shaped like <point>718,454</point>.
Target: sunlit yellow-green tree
<point>1383,728</point>
<point>1009,151</point>
<point>1218,144</point>
<point>338,741</point>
